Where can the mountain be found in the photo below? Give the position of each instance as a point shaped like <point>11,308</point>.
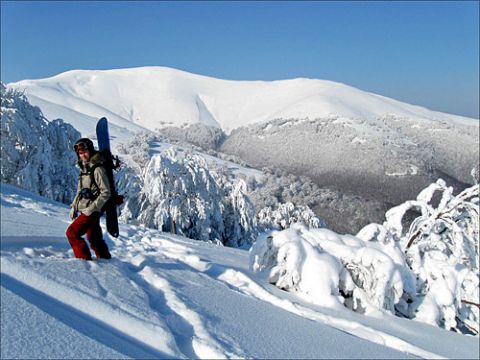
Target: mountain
<point>166,296</point>
<point>154,97</point>
<point>377,150</point>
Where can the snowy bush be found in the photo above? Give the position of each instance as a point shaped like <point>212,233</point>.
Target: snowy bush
<point>138,148</point>
<point>284,215</point>
<point>426,269</point>
<point>36,154</point>
<point>129,184</point>
<point>204,136</point>
<point>442,250</point>
<point>330,269</point>
<point>475,173</point>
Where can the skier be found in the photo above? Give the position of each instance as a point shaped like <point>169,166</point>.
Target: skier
<point>93,192</point>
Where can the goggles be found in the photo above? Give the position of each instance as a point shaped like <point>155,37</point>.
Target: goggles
<point>81,146</point>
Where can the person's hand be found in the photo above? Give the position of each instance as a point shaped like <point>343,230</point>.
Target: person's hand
<point>87,212</point>
<point>73,213</point>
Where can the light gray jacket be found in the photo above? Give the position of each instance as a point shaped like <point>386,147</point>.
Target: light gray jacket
<point>102,191</point>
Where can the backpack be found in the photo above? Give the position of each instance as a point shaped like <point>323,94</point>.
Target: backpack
<point>109,166</point>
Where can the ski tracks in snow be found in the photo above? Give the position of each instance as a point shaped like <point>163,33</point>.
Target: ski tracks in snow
<point>239,281</point>
<point>145,256</point>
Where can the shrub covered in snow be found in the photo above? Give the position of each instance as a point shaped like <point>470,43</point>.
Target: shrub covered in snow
<point>36,154</point>
<point>330,269</point>
<point>427,270</point>
<point>442,249</point>
<point>204,136</point>
<point>284,215</point>
<point>183,197</point>
<point>138,148</point>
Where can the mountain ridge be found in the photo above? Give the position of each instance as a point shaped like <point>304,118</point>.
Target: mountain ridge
<point>153,97</point>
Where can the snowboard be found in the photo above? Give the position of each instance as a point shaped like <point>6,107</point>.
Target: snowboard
<point>103,139</point>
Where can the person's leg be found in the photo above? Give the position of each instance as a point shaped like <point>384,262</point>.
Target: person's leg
<point>74,234</point>
<point>95,237</point>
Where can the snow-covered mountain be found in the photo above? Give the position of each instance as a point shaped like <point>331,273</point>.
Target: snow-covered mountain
<point>165,296</point>
<point>154,97</point>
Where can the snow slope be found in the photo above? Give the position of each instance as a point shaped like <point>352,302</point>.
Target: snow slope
<point>165,296</point>
<point>154,97</point>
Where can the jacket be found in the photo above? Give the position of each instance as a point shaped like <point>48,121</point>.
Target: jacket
<point>102,191</point>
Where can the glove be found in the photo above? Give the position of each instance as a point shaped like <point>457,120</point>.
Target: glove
<point>73,213</point>
<point>87,212</point>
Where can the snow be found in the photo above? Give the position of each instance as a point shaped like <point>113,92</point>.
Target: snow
<point>412,170</point>
<point>158,147</point>
<point>358,140</point>
<point>55,321</point>
<point>166,296</point>
<point>152,97</point>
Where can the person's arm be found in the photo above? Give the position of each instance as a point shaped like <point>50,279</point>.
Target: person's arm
<point>74,203</point>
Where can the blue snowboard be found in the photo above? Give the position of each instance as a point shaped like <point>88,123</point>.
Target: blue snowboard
<point>103,139</point>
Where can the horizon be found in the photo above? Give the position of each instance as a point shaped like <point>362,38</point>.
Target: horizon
<point>421,53</point>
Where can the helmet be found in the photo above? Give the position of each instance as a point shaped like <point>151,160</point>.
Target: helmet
<point>84,144</point>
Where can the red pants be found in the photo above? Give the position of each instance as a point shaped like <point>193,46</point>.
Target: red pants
<point>89,225</point>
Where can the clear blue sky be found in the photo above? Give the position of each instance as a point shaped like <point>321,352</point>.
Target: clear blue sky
<point>424,53</point>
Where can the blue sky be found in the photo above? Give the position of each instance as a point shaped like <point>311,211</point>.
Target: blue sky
<point>424,53</point>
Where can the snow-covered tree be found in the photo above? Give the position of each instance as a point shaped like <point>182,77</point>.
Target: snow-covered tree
<point>239,216</point>
<point>37,154</point>
<point>182,197</point>
<point>284,215</point>
<point>442,250</point>
<point>198,134</point>
<point>179,193</point>
<point>138,149</point>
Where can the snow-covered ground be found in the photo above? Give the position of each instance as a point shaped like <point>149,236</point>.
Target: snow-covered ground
<point>165,296</point>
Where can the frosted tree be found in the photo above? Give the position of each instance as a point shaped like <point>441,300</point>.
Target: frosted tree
<point>475,173</point>
<point>239,216</point>
<point>36,153</point>
<point>181,197</point>
<point>129,184</point>
<point>442,249</point>
<point>283,216</point>
<point>178,193</point>
<point>138,148</point>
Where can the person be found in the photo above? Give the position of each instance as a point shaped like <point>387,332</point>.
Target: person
<point>93,191</point>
